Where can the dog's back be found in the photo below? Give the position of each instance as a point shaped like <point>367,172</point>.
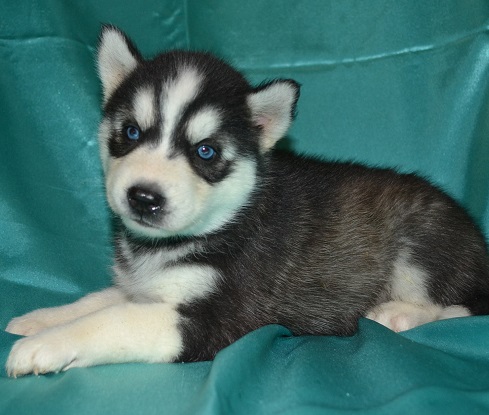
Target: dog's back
<point>323,244</point>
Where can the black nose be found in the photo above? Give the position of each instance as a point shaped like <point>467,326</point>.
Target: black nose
<point>144,200</point>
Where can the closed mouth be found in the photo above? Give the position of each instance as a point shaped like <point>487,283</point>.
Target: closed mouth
<point>143,222</point>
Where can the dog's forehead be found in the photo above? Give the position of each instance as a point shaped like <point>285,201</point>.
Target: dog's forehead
<point>176,95</point>
<point>191,99</point>
<point>144,106</point>
<point>180,98</point>
<point>164,102</point>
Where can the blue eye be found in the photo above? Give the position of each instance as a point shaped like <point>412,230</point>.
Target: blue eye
<point>206,152</point>
<point>132,133</point>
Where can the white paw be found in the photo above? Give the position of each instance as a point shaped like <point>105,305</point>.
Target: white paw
<point>30,323</point>
<point>400,316</point>
<point>454,311</point>
<point>46,352</point>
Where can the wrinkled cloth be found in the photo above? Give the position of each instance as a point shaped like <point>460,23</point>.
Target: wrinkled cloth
<point>403,84</point>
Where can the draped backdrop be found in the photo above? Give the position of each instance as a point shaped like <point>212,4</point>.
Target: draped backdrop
<point>402,84</point>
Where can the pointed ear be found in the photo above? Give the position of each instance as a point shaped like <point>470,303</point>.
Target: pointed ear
<point>272,108</point>
<point>117,58</point>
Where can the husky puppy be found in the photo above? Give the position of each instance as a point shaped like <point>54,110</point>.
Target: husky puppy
<point>222,234</point>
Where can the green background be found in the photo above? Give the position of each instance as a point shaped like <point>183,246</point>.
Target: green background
<point>391,83</point>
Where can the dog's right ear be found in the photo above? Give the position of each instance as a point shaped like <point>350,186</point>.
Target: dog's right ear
<point>117,58</point>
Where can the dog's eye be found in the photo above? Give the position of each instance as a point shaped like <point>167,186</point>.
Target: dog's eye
<point>206,152</point>
<point>132,132</point>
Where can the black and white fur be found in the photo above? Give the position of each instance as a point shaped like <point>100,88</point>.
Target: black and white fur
<point>211,249</point>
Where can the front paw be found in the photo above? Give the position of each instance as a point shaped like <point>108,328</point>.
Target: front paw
<point>43,353</point>
<point>29,324</point>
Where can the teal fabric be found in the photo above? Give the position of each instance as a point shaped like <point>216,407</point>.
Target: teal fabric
<point>402,84</point>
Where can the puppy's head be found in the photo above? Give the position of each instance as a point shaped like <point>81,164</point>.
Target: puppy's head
<point>182,136</point>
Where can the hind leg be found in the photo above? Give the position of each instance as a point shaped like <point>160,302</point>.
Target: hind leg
<point>400,316</point>
<point>410,304</point>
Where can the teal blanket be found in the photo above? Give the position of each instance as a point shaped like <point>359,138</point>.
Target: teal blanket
<point>403,84</point>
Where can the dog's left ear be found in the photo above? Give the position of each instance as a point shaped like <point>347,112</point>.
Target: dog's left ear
<point>117,58</point>
<point>273,108</point>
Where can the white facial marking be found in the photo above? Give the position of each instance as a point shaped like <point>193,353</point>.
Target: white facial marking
<point>226,198</point>
<point>144,107</point>
<point>175,96</point>
<point>203,124</point>
<point>228,152</point>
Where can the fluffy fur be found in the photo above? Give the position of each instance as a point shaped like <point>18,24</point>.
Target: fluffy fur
<point>221,234</point>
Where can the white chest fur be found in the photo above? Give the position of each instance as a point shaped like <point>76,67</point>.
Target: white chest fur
<point>159,277</point>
